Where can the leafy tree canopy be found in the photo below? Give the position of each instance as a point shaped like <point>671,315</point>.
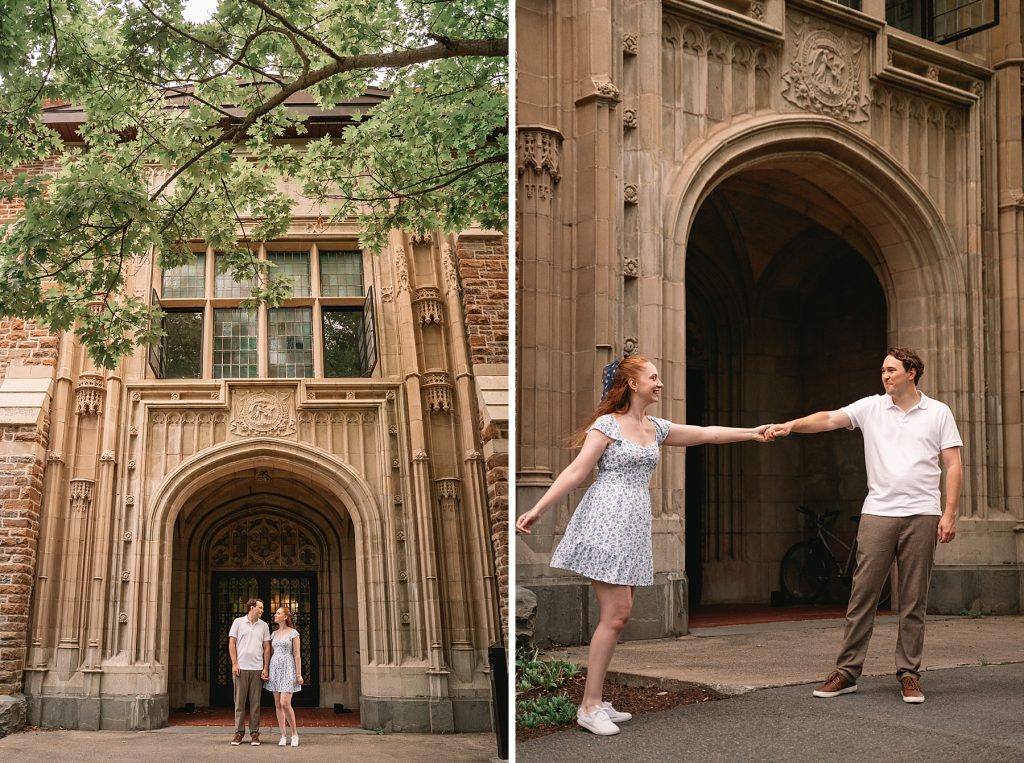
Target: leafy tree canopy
<point>185,135</point>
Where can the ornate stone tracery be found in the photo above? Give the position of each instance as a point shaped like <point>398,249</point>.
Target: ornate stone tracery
<point>264,542</point>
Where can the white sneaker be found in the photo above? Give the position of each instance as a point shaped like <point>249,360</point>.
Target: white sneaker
<point>282,742</point>
<point>295,740</point>
<point>615,716</point>
<point>597,722</point>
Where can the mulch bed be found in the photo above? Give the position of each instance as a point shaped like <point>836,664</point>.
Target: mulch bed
<point>629,699</point>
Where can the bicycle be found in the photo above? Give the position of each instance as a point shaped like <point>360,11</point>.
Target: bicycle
<point>810,569</point>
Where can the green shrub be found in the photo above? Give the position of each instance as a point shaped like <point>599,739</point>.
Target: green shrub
<point>531,673</point>
<point>551,710</point>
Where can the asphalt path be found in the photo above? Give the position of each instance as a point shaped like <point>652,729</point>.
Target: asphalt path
<point>971,714</point>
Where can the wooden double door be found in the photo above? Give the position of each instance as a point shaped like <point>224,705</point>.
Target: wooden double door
<point>283,588</point>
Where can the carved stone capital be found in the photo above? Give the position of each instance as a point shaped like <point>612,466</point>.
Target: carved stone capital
<point>538,149</point>
<point>89,393</point>
<point>447,489</point>
<point>81,495</point>
<point>437,388</point>
<point>428,305</point>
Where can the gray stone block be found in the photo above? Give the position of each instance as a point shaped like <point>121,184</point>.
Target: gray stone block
<point>425,716</point>
<point>983,590</point>
<point>13,713</point>
<point>567,614</point>
<point>99,713</point>
<point>472,715</point>
<point>526,618</point>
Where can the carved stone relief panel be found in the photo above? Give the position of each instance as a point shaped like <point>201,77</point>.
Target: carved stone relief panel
<point>826,71</point>
<point>262,414</point>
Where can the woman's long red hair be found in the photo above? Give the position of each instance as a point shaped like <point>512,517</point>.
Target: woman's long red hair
<point>617,398</point>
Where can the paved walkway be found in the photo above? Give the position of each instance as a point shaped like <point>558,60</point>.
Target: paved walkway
<point>212,744</point>
<point>973,680</point>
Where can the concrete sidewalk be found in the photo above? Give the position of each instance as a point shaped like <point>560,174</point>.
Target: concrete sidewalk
<point>739,658</point>
<point>177,743</point>
<point>973,682</point>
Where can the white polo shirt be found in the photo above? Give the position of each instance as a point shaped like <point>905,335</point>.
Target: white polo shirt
<point>249,638</point>
<point>902,452</point>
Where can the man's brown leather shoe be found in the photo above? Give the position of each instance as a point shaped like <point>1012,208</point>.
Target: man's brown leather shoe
<point>255,739</point>
<point>912,690</point>
<point>837,683</point>
<point>237,740</point>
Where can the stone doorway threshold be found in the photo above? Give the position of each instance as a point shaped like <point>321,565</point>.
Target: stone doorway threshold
<point>718,615</point>
<point>306,717</point>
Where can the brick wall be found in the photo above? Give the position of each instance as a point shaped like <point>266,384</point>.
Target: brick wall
<point>25,343</point>
<point>496,465</point>
<point>483,270</point>
<point>22,461</point>
<point>21,486</point>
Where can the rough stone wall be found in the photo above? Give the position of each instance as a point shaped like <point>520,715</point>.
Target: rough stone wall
<point>497,502</point>
<point>22,461</point>
<point>483,270</point>
<point>22,453</point>
<point>25,343</point>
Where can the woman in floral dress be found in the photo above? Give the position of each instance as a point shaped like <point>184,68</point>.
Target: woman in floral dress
<point>608,539</point>
<point>285,673</point>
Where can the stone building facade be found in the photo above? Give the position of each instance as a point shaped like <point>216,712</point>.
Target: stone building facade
<point>761,196</point>
<point>338,455</point>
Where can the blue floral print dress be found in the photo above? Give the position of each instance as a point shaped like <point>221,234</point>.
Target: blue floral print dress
<point>282,664</point>
<point>609,535</point>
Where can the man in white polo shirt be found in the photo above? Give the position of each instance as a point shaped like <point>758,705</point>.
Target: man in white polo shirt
<point>249,647</point>
<point>906,436</point>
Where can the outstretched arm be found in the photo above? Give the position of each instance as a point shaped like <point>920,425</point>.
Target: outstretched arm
<point>822,421</point>
<point>687,434</point>
<point>570,478</point>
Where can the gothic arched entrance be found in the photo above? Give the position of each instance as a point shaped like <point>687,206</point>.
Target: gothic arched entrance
<point>807,252</point>
<point>276,520</point>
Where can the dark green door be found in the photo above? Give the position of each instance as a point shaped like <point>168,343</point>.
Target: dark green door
<point>295,590</point>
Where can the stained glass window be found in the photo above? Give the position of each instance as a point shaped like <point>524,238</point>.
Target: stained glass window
<point>295,265</point>
<point>341,274</point>
<point>291,342</point>
<point>234,344</point>
<point>186,281</point>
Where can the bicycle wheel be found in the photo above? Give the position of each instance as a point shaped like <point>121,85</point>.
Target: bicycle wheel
<point>803,574</point>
